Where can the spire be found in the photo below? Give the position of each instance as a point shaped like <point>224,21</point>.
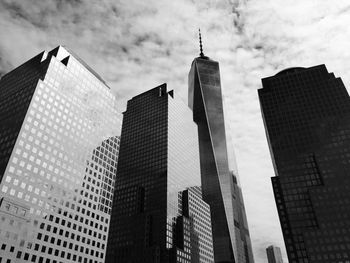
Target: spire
<point>200,44</point>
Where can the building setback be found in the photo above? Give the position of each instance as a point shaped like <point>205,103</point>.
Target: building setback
<point>219,183</point>
<point>58,157</point>
<point>274,254</point>
<point>155,217</point>
<point>306,113</point>
<point>198,211</point>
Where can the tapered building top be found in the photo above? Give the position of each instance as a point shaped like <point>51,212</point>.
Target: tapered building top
<point>230,230</point>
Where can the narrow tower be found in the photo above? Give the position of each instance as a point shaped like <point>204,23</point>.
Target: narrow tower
<point>219,185</point>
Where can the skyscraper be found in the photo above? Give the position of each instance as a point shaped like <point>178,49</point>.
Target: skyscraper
<point>58,155</point>
<point>219,183</point>
<point>198,211</point>
<point>274,254</point>
<point>157,213</point>
<point>306,115</point>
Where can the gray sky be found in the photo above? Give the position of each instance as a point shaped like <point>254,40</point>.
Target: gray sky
<point>137,45</point>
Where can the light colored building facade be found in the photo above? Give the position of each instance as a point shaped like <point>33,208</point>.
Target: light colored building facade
<point>198,212</point>
<point>58,156</point>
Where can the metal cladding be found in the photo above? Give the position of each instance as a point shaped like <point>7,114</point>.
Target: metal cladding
<point>230,230</point>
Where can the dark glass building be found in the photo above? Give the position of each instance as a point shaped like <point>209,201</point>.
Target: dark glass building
<point>274,254</point>
<point>154,218</point>
<point>219,185</point>
<point>306,112</point>
<point>58,154</point>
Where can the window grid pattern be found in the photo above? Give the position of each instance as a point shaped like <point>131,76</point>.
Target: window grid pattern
<point>14,103</point>
<point>306,113</point>
<point>60,177</point>
<point>201,232</point>
<point>138,227</point>
<point>183,159</point>
<point>158,160</point>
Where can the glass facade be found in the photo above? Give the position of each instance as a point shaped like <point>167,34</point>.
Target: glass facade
<point>219,184</point>
<point>198,212</point>
<point>274,254</point>
<point>59,150</point>
<point>158,160</point>
<point>306,114</point>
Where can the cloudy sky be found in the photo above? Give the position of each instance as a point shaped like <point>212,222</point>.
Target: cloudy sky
<point>135,45</point>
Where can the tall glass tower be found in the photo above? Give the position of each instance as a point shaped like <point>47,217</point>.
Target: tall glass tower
<point>306,113</point>
<point>158,214</point>
<point>58,155</point>
<point>219,183</point>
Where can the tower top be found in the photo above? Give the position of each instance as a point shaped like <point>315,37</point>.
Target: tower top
<point>200,44</point>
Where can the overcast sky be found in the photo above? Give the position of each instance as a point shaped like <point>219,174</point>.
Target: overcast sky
<point>136,45</point>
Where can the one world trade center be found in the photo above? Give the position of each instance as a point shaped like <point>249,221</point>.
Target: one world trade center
<point>218,177</point>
